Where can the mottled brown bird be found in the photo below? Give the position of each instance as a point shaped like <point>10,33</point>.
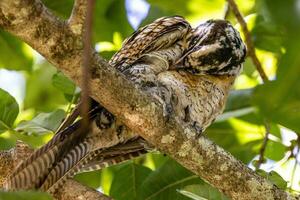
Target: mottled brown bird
<point>190,71</point>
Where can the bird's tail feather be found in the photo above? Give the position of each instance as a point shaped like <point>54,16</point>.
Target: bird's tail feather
<point>32,172</point>
<point>95,160</point>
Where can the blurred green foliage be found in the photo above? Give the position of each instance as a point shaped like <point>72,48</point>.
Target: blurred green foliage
<point>24,195</point>
<point>275,29</point>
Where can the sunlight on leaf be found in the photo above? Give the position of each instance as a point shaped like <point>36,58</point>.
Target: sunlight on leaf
<point>191,195</point>
<point>163,183</point>
<point>18,55</point>
<point>202,192</point>
<point>246,131</point>
<point>127,188</point>
<point>42,123</point>
<point>9,110</point>
<point>268,61</point>
<point>63,83</point>
<point>274,177</point>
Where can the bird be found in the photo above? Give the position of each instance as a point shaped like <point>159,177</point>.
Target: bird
<point>188,70</point>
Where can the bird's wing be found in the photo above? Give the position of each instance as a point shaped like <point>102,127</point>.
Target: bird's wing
<point>79,159</point>
<point>162,33</point>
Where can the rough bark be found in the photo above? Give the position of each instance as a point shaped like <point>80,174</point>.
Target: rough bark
<point>61,45</point>
<point>79,192</point>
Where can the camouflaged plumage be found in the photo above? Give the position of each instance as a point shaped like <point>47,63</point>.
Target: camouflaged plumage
<point>190,71</point>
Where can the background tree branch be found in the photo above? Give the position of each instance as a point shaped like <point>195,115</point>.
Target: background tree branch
<point>248,40</point>
<point>57,42</point>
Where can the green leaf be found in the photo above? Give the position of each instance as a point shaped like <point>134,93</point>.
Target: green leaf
<point>279,100</point>
<point>241,136</point>
<point>274,177</point>
<point>189,9</point>
<point>267,35</point>
<point>275,150</point>
<point>158,159</point>
<point>291,19</point>
<point>239,99</point>
<point>175,6</point>
<point>127,181</point>
<point>40,92</point>
<point>15,54</point>
<point>237,105</point>
<point>163,183</point>
<point>202,192</point>
<point>277,105</point>
<point>9,110</point>
<point>90,179</point>
<point>63,83</point>
<point>191,195</point>
<point>42,123</point>
<point>24,195</point>
<point>112,15</point>
<point>109,16</point>
<point>61,8</point>
<point>235,113</point>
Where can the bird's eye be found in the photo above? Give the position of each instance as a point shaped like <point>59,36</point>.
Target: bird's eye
<point>194,41</point>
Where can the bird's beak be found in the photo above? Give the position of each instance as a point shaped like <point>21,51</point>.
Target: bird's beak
<point>177,63</point>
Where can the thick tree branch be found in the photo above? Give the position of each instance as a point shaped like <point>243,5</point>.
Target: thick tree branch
<point>62,47</point>
<point>77,18</point>
<point>71,189</point>
<point>79,192</point>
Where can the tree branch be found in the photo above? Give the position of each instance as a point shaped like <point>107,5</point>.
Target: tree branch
<point>248,40</point>
<point>77,18</point>
<point>79,192</point>
<point>86,55</point>
<point>226,11</point>
<point>261,158</point>
<point>140,112</point>
<point>251,52</point>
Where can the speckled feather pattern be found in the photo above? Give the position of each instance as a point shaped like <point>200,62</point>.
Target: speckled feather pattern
<point>160,34</point>
<point>189,71</point>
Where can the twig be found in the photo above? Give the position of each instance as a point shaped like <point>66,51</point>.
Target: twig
<point>295,156</point>
<point>256,62</point>
<point>226,11</point>
<point>249,42</point>
<point>261,158</point>
<point>85,106</point>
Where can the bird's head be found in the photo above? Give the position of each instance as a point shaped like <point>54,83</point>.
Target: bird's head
<point>216,48</point>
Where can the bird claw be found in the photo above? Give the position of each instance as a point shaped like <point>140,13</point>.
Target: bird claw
<point>198,129</point>
<point>167,110</point>
<point>162,95</point>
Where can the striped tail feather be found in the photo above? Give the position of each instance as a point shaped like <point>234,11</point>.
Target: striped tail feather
<point>57,138</point>
<point>66,167</point>
<point>32,172</point>
<point>95,160</point>
<point>31,175</point>
<point>114,155</point>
